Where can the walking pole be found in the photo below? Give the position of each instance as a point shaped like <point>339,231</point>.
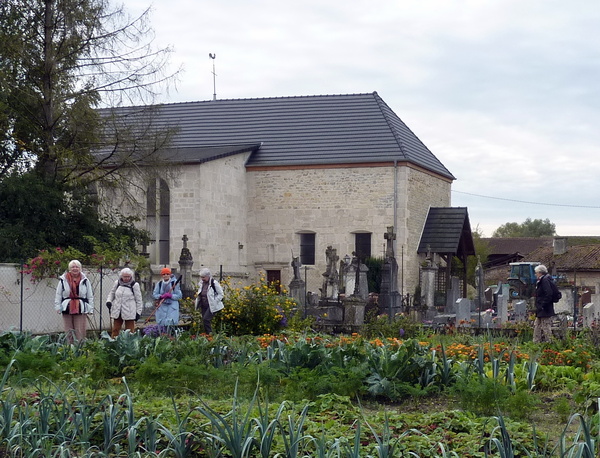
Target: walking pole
<point>160,302</point>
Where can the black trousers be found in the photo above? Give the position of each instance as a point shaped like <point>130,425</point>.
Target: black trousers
<point>206,318</point>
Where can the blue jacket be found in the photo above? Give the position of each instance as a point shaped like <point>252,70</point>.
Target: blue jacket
<point>168,313</point>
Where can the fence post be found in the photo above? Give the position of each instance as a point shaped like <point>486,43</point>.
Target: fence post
<point>101,289</point>
<point>21,301</point>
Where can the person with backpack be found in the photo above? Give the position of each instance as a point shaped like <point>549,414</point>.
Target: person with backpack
<point>544,305</point>
<point>74,299</point>
<point>209,299</point>
<point>167,294</point>
<point>124,302</point>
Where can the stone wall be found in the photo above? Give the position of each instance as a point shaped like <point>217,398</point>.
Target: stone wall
<point>249,220</point>
<point>335,203</point>
<point>209,204</point>
<point>424,190</point>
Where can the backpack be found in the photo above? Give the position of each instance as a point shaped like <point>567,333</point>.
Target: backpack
<point>556,294</point>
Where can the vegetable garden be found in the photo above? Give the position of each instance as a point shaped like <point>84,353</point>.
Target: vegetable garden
<point>298,394</point>
<point>269,385</point>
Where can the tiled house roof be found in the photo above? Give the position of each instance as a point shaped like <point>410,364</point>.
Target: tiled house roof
<point>509,245</point>
<point>580,257</point>
<point>302,131</point>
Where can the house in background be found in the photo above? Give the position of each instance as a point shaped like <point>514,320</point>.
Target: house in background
<point>253,182</point>
<point>577,265</point>
<point>565,255</point>
<point>504,250</point>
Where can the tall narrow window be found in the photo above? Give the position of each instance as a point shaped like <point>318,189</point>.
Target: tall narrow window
<point>307,248</point>
<point>158,204</point>
<point>362,245</point>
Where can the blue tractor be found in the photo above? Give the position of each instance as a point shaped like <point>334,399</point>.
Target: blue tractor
<point>521,280</point>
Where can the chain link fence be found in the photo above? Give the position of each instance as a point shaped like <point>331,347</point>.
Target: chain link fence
<point>28,306</point>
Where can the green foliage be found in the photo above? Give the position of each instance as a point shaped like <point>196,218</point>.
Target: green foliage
<point>255,309</point>
<point>97,412</point>
<point>37,216</point>
<point>52,263</point>
<point>528,228</point>
<point>305,383</point>
<point>485,395</point>
<point>296,322</point>
<point>59,60</point>
<point>375,265</point>
<point>481,395</point>
<point>402,326</point>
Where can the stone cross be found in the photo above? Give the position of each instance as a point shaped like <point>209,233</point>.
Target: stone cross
<point>186,261</point>
<point>186,255</point>
<point>389,236</point>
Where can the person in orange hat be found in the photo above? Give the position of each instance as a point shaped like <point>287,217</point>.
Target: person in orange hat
<point>169,292</point>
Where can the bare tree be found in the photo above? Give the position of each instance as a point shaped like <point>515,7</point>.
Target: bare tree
<point>62,60</point>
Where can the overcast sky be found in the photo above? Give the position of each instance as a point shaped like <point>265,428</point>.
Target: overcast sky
<point>505,93</point>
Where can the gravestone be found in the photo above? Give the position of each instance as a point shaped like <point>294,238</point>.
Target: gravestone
<point>354,311</point>
<point>350,277</point>
<point>452,295</point>
<point>297,286</point>
<point>502,304</point>
<point>487,319</point>
<point>428,280</point>
<point>463,312</point>
<point>520,309</point>
<point>389,299</point>
<point>591,315</point>
<point>330,277</point>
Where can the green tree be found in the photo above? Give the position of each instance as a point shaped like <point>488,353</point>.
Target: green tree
<point>36,215</point>
<point>529,228</point>
<point>59,61</point>
<point>66,66</point>
<point>482,251</point>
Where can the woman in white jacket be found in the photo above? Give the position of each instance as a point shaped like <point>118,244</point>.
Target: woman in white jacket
<point>75,300</point>
<point>209,299</point>
<point>125,302</point>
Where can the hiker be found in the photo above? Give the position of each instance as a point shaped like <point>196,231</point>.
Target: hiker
<point>75,300</point>
<point>209,299</point>
<point>167,294</point>
<point>125,302</point>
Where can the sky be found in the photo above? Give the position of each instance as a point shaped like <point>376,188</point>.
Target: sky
<point>506,94</point>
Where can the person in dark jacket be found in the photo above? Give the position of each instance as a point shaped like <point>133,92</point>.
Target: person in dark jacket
<point>544,306</point>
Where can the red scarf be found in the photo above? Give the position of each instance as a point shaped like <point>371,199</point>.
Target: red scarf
<point>73,293</point>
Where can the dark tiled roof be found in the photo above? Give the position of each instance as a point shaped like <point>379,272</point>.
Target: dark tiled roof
<point>447,230</point>
<point>207,153</point>
<point>580,257</point>
<point>510,245</point>
<point>299,131</point>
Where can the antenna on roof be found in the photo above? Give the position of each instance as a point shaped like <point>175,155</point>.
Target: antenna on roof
<point>213,56</point>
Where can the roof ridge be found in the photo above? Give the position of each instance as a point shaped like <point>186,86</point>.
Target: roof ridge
<point>381,104</point>
<point>261,98</point>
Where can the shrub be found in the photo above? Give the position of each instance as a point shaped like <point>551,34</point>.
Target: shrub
<point>401,327</point>
<point>256,309</point>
